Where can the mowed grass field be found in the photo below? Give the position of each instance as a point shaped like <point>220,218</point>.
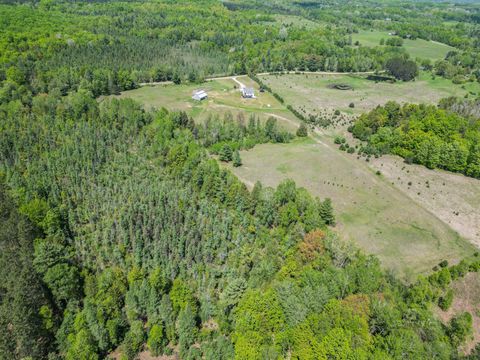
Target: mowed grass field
<point>417,48</point>
<point>370,211</point>
<point>223,98</point>
<point>312,92</point>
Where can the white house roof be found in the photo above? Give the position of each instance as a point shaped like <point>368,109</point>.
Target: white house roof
<point>199,95</point>
<point>248,92</point>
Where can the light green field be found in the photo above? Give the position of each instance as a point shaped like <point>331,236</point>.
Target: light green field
<point>312,92</point>
<point>416,48</point>
<point>222,98</point>
<point>371,212</point>
<point>297,21</point>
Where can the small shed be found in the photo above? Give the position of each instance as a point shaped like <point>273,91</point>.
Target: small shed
<point>199,95</point>
<point>248,93</point>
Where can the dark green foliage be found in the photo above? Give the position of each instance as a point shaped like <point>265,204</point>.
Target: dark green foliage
<point>402,69</point>
<point>226,153</point>
<point>236,160</point>
<point>187,329</point>
<point>22,295</point>
<point>460,327</point>
<point>302,130</point>
<point>445,301</point>
<point>127,232</point>
<point>220,348</point>
<point>326,212</point>
<point>394,41</point>
<point>133,341</point>
<point>423,134</point>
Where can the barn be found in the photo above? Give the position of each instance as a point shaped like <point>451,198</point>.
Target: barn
<point>199,95</point>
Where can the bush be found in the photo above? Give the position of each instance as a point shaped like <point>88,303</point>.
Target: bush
<point>302,131</point>
<point>351,105</point>
<point>446,300</point>
<point>460,328</point>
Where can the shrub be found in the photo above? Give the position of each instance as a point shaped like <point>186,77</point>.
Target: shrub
<point>446,300</point>
<point>302,130</point>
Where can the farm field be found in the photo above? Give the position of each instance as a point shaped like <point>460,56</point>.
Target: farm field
<point>311,92</point>
<point>222,98</point>
<point>371,211</point>
<point>297,21</point>
<point>417,48</point>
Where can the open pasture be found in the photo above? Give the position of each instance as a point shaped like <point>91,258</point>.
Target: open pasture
<point>312,92</point>
<point>371,212</point>
<point>417,48</point>
<point>453,198</point>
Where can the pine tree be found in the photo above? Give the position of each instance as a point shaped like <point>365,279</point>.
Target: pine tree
<point>226,153</point>
<point>237,161</point>
<point>326,212</point>
<point>187,329</point>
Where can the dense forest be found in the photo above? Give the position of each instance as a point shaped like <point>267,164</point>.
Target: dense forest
<point>122,230</point>
<point>128,233</point>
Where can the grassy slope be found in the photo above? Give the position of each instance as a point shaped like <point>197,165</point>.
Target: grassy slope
<point>312,92</point>
<point>416,48</point>
<point>371,212</point>
<point>453,198</point>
